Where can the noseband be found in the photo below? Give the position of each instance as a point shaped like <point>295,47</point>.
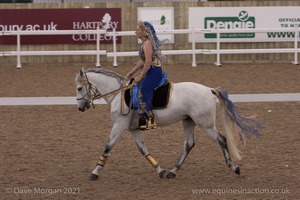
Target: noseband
<point>89,88</point>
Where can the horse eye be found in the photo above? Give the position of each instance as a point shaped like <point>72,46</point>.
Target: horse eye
<point>79,88</point>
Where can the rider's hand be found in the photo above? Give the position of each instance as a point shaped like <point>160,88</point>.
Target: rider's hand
<point>129,74</point>
<point>138,78</point>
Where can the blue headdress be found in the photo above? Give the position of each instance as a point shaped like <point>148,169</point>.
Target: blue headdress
<point>149,30</point>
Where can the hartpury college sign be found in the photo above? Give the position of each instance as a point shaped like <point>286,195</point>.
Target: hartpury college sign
<point>60,19</point>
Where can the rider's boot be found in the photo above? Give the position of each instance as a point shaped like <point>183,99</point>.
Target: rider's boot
<point>151,123</point>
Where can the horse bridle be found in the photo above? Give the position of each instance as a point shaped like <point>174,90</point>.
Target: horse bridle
<point>89,88</point>
<point>97,95</point>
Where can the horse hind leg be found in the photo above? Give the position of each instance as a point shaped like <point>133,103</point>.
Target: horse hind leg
<point>189,143</point>
<point>223,144</point>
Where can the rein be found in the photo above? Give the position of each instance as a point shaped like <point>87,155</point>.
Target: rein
<point>99,96</point>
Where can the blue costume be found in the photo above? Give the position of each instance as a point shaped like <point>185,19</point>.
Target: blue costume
<point>154,75</point>
<point>146,89</point>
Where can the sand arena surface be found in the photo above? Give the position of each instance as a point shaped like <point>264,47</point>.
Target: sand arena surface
<point>49,151</point>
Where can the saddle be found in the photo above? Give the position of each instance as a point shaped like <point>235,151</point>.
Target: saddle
<point>160,98</point>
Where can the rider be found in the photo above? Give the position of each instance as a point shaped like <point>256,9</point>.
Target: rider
<point>151,72</point>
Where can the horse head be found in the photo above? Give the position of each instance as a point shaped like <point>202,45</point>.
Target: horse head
<point>83,91</point>
<point>96,83</point>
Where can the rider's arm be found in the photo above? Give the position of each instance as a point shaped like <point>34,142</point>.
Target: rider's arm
<point>138,66</point>
<point>148,57</point>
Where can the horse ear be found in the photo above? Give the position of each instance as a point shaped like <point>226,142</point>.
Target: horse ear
<point>82,71</point>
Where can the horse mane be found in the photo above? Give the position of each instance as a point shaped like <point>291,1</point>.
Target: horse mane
<point>106,72</point>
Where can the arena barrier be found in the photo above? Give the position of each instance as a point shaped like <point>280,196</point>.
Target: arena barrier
<point>238,98</point>
<point>115,54</point>
<point>218,51</point>
<point>97,52</point>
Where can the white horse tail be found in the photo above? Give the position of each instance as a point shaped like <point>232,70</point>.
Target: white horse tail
<point>235,125</point>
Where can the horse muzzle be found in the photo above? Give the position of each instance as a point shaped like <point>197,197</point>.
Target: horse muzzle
<point>86,106</point>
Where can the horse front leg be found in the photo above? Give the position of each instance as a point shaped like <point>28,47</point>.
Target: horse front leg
<point>116,131</point>
<point>189,143</point>
<point>139,140</point>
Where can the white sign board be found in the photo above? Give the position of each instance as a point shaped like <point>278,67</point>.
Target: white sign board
<point>245,18</point>
<point>162,18</point>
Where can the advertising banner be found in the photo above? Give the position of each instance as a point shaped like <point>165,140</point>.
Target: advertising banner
<point>162,18</point>
<point>60,19</point>
<point>245,18</point>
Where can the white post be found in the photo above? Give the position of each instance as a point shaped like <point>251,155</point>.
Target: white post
<point>18,50</point>
<point>115,64</point>
<point>297,33</point>
<point>194,64</point>
<point>218,49</point>
<point>98,48</point>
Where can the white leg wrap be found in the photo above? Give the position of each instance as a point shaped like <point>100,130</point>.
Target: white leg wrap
<point>97,169</point>
<point>158,169</point>
<point>173,170</point>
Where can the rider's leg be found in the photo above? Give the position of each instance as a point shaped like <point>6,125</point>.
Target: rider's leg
<point>145,96</point>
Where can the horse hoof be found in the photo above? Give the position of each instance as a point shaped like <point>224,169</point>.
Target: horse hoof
<point>171,175</point>
<point>237,170</point>
<point>162,174</point>
<point>93,177</point>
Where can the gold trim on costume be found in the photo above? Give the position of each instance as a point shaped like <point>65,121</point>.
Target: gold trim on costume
<point>123,98</point>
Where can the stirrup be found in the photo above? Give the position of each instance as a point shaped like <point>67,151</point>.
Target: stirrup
<point>143,124</point>
<point>151,123</point>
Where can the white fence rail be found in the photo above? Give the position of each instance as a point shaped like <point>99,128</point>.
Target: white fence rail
<point>115,54</point>
<point>218,51</point>
<point>20,53</point>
